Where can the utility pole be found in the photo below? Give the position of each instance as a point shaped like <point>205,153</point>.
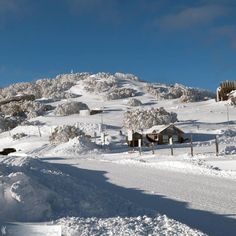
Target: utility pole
<point>227,106</point>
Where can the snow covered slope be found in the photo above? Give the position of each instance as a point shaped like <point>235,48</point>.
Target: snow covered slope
<point>73,181</point>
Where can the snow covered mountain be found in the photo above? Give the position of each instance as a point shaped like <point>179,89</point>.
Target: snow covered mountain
<point>72,159</point>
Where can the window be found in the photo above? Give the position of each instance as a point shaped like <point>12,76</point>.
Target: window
<point>165,138</point>
<point>175,138</point>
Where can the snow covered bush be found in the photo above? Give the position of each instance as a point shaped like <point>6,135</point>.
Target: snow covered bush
<point>25,109</point>
<point>70,108</point>
<point>123,76</point>
<point>133,102</point>
<point>162,91</point>
<point>232,98</point>
<point>8,123</point>
<point>99,83</point>
<point>186,94</point>
<point>62,134</point>
<point>55,88</point>
<point>196,95</point>
<point>18,136</point>
<point>118,93</point>
<point>110,85</point>
<point>144,119</point>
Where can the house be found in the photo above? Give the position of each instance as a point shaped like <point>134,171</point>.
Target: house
<point>161,134</point>
<point>222,92</point>
<point>135,137</point>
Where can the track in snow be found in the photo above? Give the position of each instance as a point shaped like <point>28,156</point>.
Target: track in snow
<point>202,202</point>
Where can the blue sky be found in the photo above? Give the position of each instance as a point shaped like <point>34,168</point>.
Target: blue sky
<point>172,41</point>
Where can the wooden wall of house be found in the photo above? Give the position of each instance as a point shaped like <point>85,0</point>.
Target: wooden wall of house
<point>225,88</point>
<point>169,132</point>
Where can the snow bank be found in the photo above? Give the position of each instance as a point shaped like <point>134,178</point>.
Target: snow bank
<point>33,190</point>
<point>74,147</point>
<point>190,165</point>
<point>141,225</point>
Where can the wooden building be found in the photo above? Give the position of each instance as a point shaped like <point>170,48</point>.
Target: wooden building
<point>222,92</point>
<point>161,134</point>
<point>135,137</point>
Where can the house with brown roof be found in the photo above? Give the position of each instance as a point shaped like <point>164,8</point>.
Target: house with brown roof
<point>161,134</point>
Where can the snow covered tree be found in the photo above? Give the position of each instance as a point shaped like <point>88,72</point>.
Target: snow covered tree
<point>144,119</point>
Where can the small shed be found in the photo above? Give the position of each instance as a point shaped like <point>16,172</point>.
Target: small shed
<point>135,137</point>
<point>222,92</point>
<point>161,134</point>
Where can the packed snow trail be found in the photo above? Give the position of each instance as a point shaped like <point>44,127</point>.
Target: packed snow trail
<point>202,202</point>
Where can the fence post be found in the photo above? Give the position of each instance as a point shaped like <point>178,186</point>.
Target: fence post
<point>171,146</point>
<point>140,146</point>
<point>40,135</point>
<point>191,144</point>
<point>217,146</point>
<point>152,147</point>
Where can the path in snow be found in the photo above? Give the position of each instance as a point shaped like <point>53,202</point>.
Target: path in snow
<point>202,202</point>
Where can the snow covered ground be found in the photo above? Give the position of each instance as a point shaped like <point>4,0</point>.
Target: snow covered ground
<point>113,190</point>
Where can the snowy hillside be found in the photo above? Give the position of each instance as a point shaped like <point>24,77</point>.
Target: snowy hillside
<point>73,167</point>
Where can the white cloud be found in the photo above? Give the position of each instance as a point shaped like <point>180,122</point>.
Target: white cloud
<point>192,17</point>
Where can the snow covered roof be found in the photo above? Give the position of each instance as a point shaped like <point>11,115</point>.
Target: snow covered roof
<point>159,128</point>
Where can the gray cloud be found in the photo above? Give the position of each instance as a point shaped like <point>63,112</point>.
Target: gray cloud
<point>192,17</point>
<point>10,9</point>
<point>103,9</point>
<point>233,43</point>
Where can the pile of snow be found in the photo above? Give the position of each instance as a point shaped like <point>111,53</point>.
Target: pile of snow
<point>144,119</point>
<point>33,190</point>
<point>120,226</point>
<point>74,147</point>
<point>133,102</point>
<point>63,134</point>
<point>70,108</point>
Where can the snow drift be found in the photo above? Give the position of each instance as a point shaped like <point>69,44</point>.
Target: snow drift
<point>33,190</point>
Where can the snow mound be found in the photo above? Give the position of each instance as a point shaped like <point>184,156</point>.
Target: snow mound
<point>33,190</point>
<point>75,146</point>
<point>141,225</point>
<point>119,93</point>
